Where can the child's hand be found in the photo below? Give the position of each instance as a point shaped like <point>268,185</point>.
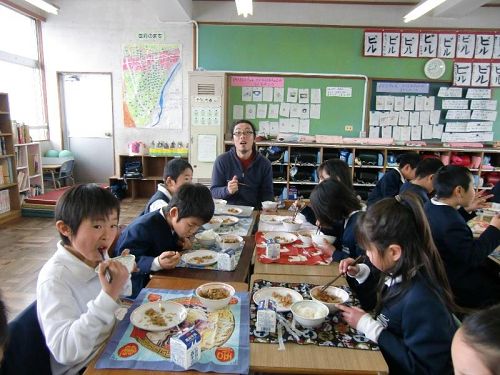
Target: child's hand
<point>185,243</point>
<point>169,259</point>
<point>480,201</point>
<point>232,185</point>
<point>345,267</point>
<point>298,204</point>
<point>351,314</point>
<point>495,221</point>
<point>326,248</point>
<point>119,277</point>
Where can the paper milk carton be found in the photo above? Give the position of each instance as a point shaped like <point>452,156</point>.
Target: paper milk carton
<point>272,250</point>
<point>226,261</point>
<point>185,348</point>
<point>266,316</point>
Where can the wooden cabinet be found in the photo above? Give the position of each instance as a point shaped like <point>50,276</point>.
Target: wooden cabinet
<point>9,195</point>
<point>152,174</point>
<point>29,169</point>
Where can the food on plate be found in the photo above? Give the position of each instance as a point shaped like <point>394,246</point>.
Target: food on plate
<point>306,235</point>
<point>213,221</point>
<point>283,300</point>
<point>280,239</point>
<point>215,293</point>
<point>308,312</point>
<point>230,240</point>
<point>157,318</point>
<point>233,211</point>
<point>325,297</point>
<point>203,259</point>
<point>227,220</point>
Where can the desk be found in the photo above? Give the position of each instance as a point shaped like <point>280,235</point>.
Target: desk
<point>52,169</point>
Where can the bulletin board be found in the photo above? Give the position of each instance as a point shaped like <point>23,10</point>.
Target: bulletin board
<point>343,109</point>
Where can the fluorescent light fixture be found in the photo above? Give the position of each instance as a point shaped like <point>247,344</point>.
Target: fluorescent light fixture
<point>43,5</point>
<point>244,7</point>
<point>421,9</point>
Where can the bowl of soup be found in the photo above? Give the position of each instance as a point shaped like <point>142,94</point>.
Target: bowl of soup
<point>215,296</point>
<point>329,297</point>
<point>213,223</point>
<point>229,241</point>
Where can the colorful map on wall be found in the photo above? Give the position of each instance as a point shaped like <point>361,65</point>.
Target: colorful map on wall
<point>152,86</point>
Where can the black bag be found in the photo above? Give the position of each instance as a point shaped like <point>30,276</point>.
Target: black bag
<point>132,169</point>
<point>119,189</point>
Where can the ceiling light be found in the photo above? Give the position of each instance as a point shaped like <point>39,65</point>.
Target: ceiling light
<point>244,7</point>
<point>43,5</point>
<point>421,9</point>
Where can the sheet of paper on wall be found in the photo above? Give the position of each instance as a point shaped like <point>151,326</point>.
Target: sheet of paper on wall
<point>399,103</point>
<point>250,111</point>
<point>273,111</point>
<point>481,74</point>
<point>404,118</point>
<point>316,96</point>
<point>315,111</point>
<point>304,126</point>
<point>426,131</point>
<point>414,118</point>
<point>246,94</point>
<point>450,92</point>
<point>261,110</point>
<point>207,147</point>
<point>409,103</point>
<point>279,94</point>
<point>484,115</point>
<point>267,94</point>
<point>343,92</point>
<point>480,126</point>
<point>284,125</point>
<point>295,109</point>
<point>384,119</point>
<point>274,128</point>
<point>303,96</point>
<point>374,118</point>
<point>386,131</point>
<point>416,133</point>
<point>458,114</point>
<point>478,94</point>
<point>437,131</point>
<point>406,133</point>
<point>455,104</point>
<point>419,103</point>
<point>429,103</point>
<point>467,137</point>
<point>380,102</point>
<point>462,73</point>
<point>389,103</point>
<point>285,109</point>
<point>264,127</point>
<point>292,95</point>
<point>304,111</point>
<point>435,116</point>
<point>424,118</point>
<point>374,132</point>
<point>237,112</point>
<point>454,127</point>
<point>293,125</point>
<point>490,105</point>
<point>396,133</point>
<point>257,94</point>
<point>484,46</point>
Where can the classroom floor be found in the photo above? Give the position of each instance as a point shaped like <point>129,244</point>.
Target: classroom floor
<point>26,244</point>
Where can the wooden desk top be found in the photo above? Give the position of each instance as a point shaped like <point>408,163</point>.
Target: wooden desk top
<point>330,270</point>
<point>51,166</point>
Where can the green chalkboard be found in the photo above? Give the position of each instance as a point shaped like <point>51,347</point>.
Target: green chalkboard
<point>336,112</point>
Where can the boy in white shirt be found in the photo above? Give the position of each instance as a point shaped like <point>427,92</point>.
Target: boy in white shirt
<point>76,304</point>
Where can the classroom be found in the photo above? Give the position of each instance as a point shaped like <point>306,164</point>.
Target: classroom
<point>296,118</point>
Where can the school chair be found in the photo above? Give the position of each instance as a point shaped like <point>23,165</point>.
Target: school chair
<point>64,174</point>
<point>26,352</point>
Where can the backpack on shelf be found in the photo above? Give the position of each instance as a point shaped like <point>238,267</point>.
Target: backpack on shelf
<point>132,169</point>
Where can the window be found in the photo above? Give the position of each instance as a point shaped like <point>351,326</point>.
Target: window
<point>20,73</point>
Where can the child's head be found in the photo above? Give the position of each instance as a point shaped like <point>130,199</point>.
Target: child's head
<point>176,173</point>
<point>426,169</point>
<point>337,169</point>
<point>191,207</point>
<point>407,164</point>
<point>456,183</point>
<point>87,220</point>
<point>3,329</point>
<point>331,200</point>
<point>476,345</point>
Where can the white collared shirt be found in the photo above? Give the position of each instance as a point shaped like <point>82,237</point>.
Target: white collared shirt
<point>160,202</point>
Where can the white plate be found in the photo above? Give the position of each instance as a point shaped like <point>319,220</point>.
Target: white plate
<point>229,220</point>
<point>173,313</point>
<point>231,211</point>
<point>268,293</point>
<point>195,258</point>
<point>272,219</point>
<point>284,238</point>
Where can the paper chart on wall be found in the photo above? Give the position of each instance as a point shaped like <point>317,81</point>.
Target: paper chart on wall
<point>267,94</point>
<point>316,96</point>
<point>250,111</point>
<point>315,111</point>
<point>207,147</point>
<point>237,112</point>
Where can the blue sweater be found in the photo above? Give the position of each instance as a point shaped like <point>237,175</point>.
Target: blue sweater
<point>419,328</point>
<point>387,186</point>
<point>258,180</point>
<point>463,255</point>
<point>147,237</point>
<point>420,191</point>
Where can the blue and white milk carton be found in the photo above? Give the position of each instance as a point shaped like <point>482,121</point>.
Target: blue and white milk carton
<point>272,249</point>
<point>226,261</point>
<point>266,316</point>
<point>185,348</point>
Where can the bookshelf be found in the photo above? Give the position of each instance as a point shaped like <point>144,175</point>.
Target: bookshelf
<point>10,207</point>
<point>29,169</point>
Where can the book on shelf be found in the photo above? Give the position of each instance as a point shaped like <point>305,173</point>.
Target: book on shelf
<point>33,163</point>
<point>20,179</point>
<point>5,172</point>
<point>3,146</point>
<point>4,201</point>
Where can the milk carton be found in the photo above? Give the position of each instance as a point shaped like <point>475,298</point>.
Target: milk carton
<point>226,261</point>
<point>185,348</point>
<point>272,250</point>
<point>266,316</point>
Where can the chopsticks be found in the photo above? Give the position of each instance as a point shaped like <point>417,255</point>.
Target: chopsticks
<point>106,271</point>
<point>356,261</point>
<point>240,183</point>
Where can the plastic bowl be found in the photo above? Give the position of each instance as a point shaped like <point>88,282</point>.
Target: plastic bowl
<point>214,223</point>
<point>206,238</point>
<point>229,241</point>
<point>269,205</point>
<point>214,304</point>
<point>332,291</point>
<point>309,314</point>
<point>305,236</point>
<point>317,239</point>
<point>292,226</point>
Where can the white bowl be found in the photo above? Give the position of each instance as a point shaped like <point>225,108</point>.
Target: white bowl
<point>305,236</point>
<point>229,241</point>
<point>317,239</point>
<point>292,226</point>
<point>127,260</point>
<point>214,304</point>
<point>214,223</point>
<point>309,314</point>
<point>206,238</point>
<point>270,205</point>
<point>332,291</point>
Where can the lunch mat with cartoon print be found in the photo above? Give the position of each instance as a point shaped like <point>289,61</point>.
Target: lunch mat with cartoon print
<point>224,336</point>
<point>333,332</point>
<point>293,253</point>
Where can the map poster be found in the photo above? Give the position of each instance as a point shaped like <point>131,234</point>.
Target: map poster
<point>152,86</point>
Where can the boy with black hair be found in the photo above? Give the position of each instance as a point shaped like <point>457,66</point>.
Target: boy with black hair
<point>422,185</point>
<point>462,254</point>
<point>391,181</point>
<point>176,173</point>
<point>157,237</point>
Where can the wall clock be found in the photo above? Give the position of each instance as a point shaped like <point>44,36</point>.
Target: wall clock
<point>434,68</point>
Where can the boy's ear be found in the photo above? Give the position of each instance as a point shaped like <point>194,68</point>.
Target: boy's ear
<point>173,213</point>
<point>63,228</point>
<point>394,252</point>
<point>169,181</point>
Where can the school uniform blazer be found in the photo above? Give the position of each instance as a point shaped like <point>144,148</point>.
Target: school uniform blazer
<point>418,329</point>
<point>258,179</point>
<point>158,196</point>
<point>387,186</point>
<point>147,237</point>
<point>462,254</point>
<point>416,189</point>
<point>349,244</point>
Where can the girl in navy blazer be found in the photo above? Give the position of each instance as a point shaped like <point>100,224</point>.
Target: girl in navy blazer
<point>412,321</point>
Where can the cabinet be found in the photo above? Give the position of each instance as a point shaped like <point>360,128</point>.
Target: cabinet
<point>9,196</point>
<point>152,174</point>
<point>29,169</point>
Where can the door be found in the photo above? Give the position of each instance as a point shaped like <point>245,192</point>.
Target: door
<point>87,124</point>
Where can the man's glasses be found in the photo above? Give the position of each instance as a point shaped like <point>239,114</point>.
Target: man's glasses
<point>239,134</point>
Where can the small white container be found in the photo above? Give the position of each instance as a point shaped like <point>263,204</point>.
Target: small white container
<point>309,314</point>
<point>317,239</point>
<point>229,241</point>
<point>273,250</point>
<point>185,348</point>
<point>332,291</point>
<point>266,316</point>
<point>206,238</point>
<point>269,205</point>
<point>214,304</point>
<point>292,225</point>
<point>305,236</point>
<point>227,260</point>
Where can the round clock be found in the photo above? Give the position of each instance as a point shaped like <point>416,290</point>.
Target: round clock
<point>434,68</point>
